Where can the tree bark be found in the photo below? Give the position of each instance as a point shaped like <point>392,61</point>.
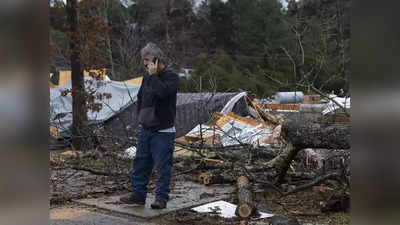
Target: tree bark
<point>282,162</point>
<point>307,134</point>
<point>79,111</point>
<point>246,206</point>
<point>108,39</point>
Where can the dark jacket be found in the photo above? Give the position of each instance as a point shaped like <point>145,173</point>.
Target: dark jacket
<point>159,91</point>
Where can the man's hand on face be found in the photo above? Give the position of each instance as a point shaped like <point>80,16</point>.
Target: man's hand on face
<point>152,67</point>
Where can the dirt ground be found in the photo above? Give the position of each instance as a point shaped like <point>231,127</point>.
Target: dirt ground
<point>77,175</point>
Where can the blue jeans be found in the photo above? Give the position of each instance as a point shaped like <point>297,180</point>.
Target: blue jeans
<point>154,150</point>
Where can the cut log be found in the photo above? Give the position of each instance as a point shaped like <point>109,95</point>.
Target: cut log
<point>209,178</point>
<point>282,162</point>
<point>246,206</point>
<point>205,178</point>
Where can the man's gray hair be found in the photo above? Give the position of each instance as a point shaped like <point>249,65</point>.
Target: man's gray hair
<point>152,50</point>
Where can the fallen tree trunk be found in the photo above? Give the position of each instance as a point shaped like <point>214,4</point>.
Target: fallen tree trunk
<point>282,162</point>
<point>246,206</point>
<point>307,134</point>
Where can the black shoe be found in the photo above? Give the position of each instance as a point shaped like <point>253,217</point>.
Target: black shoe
<point>131,199</point>
<point>159,204</point>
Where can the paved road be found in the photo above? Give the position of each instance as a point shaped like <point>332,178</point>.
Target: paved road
<point>74,215</point>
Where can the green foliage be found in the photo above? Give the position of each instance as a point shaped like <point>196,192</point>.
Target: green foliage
<point>59,38</point>
<point>258,25</point>
<point>224,74</point>
<point>221,17</point>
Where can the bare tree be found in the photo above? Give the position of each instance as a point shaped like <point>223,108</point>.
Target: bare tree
<point>79,111</point>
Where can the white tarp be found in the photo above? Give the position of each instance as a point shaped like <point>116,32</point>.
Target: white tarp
<point>122,95</point>
<point>224,209</point>
<point>331,106</point>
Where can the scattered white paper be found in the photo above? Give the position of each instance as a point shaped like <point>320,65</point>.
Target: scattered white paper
<point>130,153</point>
<point>224,209</point>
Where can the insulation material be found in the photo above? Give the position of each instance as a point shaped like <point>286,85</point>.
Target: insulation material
<point>232,129</point>
<point>274,139</point>
<point>137,80</point>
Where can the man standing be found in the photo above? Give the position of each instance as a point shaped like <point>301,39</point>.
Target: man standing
<point>156,110</point>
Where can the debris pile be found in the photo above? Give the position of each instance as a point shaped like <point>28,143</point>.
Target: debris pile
<point>226,128</point>
<point>230,129</point>
<point>262,150</point>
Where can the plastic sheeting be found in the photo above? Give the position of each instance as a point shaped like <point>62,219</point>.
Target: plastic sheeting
<point>118,118</point>
<point>122,95</point>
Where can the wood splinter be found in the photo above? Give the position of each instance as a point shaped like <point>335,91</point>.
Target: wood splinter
<point>205,178</point>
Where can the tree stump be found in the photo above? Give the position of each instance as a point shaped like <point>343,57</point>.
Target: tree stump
<point>208,178</point>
